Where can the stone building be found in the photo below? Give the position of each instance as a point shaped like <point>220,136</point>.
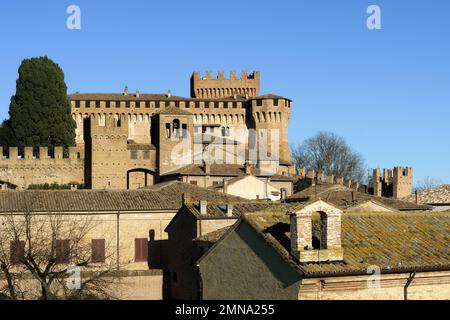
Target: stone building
<point>395,183</point>
<point>193,230</point>
<point>437,198</point>
<point>130,225</point>
<point>132,140</point>
<point>320,253</point>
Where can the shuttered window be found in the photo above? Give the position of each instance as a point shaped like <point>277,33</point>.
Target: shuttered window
<point>17,251</point>
<point>98,250</point>
<point>140,249</point>
<point>62,248</point>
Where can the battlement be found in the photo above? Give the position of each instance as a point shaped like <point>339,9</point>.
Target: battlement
<point>221,87</point>
<point>221,76</point>
<point>108,125</point>
<point>395,183</point>
<point>14,156</point>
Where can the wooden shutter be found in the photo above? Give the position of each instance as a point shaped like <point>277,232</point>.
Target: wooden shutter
<point>140,249</point>
<point>17,251</point>
<point>98,250</point>
<point>62,251</point>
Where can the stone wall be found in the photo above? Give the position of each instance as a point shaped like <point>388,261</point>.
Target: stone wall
<point>27,169</point>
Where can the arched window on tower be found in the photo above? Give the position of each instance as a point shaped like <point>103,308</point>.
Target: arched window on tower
<point>176,128</point>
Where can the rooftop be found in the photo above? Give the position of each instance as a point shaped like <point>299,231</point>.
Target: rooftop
<point>396,242</point>
<point>438,196</point>
<point>341,197</point>
<point>166,196</point>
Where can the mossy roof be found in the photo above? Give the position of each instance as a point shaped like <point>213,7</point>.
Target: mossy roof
<point>396,242</point>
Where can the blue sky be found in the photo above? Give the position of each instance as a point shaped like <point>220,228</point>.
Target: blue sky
<point>386,91</point>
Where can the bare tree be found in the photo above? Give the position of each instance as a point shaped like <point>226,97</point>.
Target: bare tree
<point>33,255</point>
<point>331,154</point>
<point>427,183</point>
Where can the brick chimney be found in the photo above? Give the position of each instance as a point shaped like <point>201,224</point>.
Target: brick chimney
<point>301,227</point>
<point>417,197</point>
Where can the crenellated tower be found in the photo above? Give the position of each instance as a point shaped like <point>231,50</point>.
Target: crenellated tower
<point>269,116</point>
<point>208,87</point>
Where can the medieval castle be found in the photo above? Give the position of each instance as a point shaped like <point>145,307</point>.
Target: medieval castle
<point>133,140</point>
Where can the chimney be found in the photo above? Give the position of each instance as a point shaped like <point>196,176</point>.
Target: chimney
<point>206,167</point>
<point>417,197</point>
<point>203,207</point>
<point>137,94</point>
<point>73,187</point>
<point>169,94</point>
<point>125,91</point>
<point>229,210</point>
<point>225,186</point>
<point>283,194</point>
<point>353,196</point>
<point>186,198</point>
<point>248,168</point>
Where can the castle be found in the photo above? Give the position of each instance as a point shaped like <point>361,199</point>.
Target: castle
<point>133,140</point>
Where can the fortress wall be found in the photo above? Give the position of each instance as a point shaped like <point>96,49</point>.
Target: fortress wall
<point>138,114</point>
<point>27,169</point>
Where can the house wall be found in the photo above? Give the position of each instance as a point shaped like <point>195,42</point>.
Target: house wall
<point>181,256</point>
<point>244,266</point>
<point>425,286</point>
<point>120,232</point>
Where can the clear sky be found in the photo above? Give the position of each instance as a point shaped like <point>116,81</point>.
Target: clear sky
<point>386,91</point>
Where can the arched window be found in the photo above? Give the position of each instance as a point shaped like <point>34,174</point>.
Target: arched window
<point>176,128</point>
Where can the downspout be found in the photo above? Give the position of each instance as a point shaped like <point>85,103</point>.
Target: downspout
<point>118,240</point>
<point>408,283</point>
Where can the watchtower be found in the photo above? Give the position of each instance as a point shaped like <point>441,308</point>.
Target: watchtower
<point>269,115</point>
<point>172,134</point>
<point>107,155</point>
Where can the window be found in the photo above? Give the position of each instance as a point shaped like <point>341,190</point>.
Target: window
<point>88,104</point>
<point>146,155</point>
<point>168,131</point>
<point>97,104</point>
<point>134,155</point>
<point>176,128</point>
<point>211,129</point>
<point>259,103</point>
<point>275,102</point>
<point>194,183</point>
<point>117,104</point>
<point>108,104</point>
<point>98,250</point>
<point>184,131</point>
<point>77,104</point>
<point>127,104</point>
<point>62,250</point>
<point>140,250</point>
<point>17,251</point>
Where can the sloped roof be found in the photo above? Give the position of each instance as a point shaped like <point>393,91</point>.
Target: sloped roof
<point>121,97</point>
<point>167,196</point>
<point>396,242</point>
<point>341,196</point>
<point>438,195</point>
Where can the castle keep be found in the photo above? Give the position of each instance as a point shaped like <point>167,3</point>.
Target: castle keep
<point>132,140</point>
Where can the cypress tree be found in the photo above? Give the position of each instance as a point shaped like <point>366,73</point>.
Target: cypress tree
<point>40,110</point>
